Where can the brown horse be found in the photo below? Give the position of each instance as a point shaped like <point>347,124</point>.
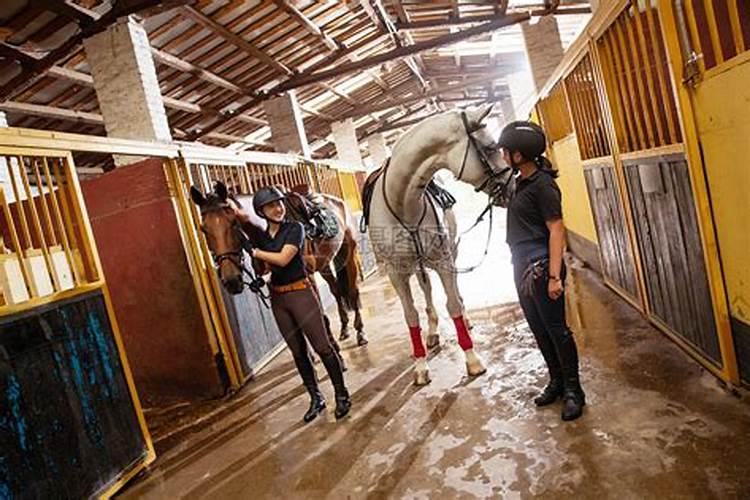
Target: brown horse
<point>226,219</point>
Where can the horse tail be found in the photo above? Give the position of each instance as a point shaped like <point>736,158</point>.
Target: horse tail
<point>347,272</point>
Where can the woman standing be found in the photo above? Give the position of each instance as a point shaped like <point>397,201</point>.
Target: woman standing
<point>294,303</point>
<point>536,236</point>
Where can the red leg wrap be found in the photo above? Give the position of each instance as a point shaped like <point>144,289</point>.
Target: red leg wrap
<point>464,340</point>
<point>416,342</point>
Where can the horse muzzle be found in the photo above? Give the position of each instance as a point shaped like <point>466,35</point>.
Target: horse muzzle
<point>234,285</point>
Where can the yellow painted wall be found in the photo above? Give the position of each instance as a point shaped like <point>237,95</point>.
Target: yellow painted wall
<point>722,108</point>
<point>577,212</point>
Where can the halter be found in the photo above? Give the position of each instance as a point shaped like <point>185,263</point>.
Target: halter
<point>237,257</point>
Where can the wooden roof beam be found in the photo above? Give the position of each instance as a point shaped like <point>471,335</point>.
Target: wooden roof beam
<point>51,112</point>
<point>402,52</point>
<point>380,17</point>
<point>233,38</point>
<point>75,13</point>
<point>29,76</point>
<point>365,110</point>
<point>308,24</point>
<point>369,62</point>
<point>444,23</point>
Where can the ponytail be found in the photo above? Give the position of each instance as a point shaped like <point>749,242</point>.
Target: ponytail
<point>546,166</point>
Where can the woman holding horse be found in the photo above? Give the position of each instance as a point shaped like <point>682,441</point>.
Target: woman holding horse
<point>294,302</point>
<point>536,236</point>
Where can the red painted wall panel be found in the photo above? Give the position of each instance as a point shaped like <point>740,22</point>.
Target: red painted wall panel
<point>135,227</point>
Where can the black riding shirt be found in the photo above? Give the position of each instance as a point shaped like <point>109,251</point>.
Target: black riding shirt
<point>537,200</point>
<point>290,233</point>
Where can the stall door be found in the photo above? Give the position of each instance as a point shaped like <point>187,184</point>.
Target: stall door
<point>671,250</point>
<point>616,253</point>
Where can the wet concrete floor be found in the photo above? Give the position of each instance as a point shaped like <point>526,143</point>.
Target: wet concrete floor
<point>657,425</point>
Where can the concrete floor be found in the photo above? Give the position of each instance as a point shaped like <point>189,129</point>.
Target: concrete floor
<point>657,425</point>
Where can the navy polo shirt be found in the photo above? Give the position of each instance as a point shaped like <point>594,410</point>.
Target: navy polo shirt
<point>290,233</point>
<point>537,200</point>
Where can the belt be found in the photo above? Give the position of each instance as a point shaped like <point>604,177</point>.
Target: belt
<point>302,284</point>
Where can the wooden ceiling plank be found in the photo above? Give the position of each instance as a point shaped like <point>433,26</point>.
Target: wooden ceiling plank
<point>233,38</point>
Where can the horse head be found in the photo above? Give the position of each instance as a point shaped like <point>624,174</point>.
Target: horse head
<point>475,158</point>
<point>227,224</point>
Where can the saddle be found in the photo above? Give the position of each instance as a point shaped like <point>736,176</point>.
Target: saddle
<point>441,196</point>
<point>319,221</point>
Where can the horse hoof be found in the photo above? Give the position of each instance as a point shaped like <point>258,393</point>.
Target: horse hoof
<point>433,340</point>
<point>362,341</point>
<point>421,378</point>
<point>474,365</point>
<point>344,335</point>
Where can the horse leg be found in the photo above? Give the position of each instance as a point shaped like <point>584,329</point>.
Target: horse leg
<point>401,284</point>
<point>328,275</point>
<point>474,365</point>
<point>433,339</point>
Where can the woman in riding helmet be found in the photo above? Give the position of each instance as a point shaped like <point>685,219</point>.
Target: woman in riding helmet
<point>536,236</point>
<point>295,304</point>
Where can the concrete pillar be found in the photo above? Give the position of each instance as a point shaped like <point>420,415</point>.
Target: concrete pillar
<point>345,139</point>
<point>544,48</point>
<point>3,120</point>
<point>379,151</point>
<point>594,5</point>
<point>126,84</point>
<point>287,129</point>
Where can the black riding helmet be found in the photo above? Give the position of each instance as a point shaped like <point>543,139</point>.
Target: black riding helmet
<point>525,137</point>
<point>265,196</point>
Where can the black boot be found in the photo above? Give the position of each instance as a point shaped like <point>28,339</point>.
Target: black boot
<point>554,388</point>
<point>317,404</point>
<point>343,401</point>
<point>550,393</point>
<point>573,396</point>
<point>310,381</point>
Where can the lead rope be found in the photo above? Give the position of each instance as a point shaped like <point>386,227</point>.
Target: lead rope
<point>413,233</point>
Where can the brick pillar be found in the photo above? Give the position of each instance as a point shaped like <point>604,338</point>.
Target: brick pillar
<point>543,48</point>
<point>506,105</point>
<point>347,146</point>
<point>379,151</point>
<point>126,84</point>
<point>522,93</point>
<point>287,129</point>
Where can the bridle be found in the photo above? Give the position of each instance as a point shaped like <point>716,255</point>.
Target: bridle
<point>237,257</point>
<point>497,193</point>
<point>500,189</point>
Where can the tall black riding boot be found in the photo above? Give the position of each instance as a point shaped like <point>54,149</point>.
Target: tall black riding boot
<point>333,342</point>
<point>317,401</point>
<point>343,401</point>
<point>554,388</point>
<point>573,397</point>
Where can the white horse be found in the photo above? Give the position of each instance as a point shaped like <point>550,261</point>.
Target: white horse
<point>409,233</point>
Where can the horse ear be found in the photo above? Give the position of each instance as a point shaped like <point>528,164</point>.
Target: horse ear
<point>221,190</point>
<point>478,115</point>
<point>197,196</point>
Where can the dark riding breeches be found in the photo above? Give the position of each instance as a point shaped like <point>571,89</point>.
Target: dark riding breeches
<point>546,319</point>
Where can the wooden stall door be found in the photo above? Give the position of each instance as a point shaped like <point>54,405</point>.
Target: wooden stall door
<point>616,255</point>
<point>671,250</point>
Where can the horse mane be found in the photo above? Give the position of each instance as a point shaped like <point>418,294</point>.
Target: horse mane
<point>413,130</point>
